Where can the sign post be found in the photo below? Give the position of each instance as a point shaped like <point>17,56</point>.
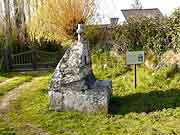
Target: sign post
<point>135,77</point>
<point>134,58</point>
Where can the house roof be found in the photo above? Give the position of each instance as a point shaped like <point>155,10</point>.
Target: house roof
<point>152,12</point>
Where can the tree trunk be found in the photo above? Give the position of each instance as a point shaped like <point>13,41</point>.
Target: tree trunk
<point>20,20</point>
<point>8,36</point>
<point>29,10</point>
<point>17,17</point>
<point>23,17</point>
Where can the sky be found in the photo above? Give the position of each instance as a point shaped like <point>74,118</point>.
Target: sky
<point>112,8</point>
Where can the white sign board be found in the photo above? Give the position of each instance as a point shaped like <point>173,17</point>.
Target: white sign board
<point>135,57</point>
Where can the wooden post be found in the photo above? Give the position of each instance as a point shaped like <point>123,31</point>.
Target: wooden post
<point>34,58</point>
<point>135,77</point>
<point>7,58</point>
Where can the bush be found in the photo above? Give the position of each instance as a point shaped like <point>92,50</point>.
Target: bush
<point>174,26</point>
<point>94,34</point>
<point>107,66</point>
<point>165,73</point>
<point>142,33</point>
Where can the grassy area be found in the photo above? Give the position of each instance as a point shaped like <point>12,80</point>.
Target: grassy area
<point>16,80</point>
<point>5,76</point>
<point>151,109</point>
<point>13,84</point>
<point>5,129</point>
<point>10,75</point>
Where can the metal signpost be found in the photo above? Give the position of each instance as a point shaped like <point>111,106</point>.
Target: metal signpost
<point>134,58</point>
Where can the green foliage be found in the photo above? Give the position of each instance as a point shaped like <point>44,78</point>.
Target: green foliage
<point>166,72</point>
<point>108,66</point>
<point>95,35</point>
<point>142,33</point>
<point>174,25</point>
<point>7,132</point>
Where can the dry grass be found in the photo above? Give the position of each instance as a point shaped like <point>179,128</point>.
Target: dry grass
<point>171,57</point>
<point>150,61</point>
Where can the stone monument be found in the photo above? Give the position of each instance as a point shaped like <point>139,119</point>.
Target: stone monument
<point>73,86</point>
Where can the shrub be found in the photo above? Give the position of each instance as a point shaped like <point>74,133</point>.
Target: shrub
<point>142,33</point>
<point>98,37</point>
<point>107,66</point>
<point>174,26</point>
<point>165,73</point>
<point>58,19</point>
<point>94,34</point>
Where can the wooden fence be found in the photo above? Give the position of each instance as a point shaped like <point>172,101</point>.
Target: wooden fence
<point>33,60</point>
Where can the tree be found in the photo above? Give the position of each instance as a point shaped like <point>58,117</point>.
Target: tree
<point>20,19</point>
<point>17,18</point>
<point>8,35</point>
<point>137,4</point>
<point>58,19</point>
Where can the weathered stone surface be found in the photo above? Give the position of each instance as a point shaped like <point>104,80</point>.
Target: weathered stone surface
<point>74,87</point>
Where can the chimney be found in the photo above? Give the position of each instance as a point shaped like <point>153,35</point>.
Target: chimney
<point>114,21</point>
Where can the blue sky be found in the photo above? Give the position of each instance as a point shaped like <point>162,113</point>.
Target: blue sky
<point>112,8</point>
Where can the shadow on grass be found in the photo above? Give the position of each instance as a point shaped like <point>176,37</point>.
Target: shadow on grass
<point>145,102</point>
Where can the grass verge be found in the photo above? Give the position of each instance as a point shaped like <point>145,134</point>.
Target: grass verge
<point>150,109</point>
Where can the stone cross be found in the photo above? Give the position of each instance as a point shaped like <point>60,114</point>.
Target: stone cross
<point>73,86</point>
<point>80,31</point>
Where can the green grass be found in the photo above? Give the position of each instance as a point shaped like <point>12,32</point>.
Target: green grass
<point>5,129</point>
<point>13,84</point>
<point>5,76</point>
<point>17,79</point>
<point>9,75</point>
<point>151,109</point>
<point>2,78</point>
<point>142,112</point>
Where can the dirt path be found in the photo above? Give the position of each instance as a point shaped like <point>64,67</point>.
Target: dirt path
<point>7,81</point>
<point>12,95</point>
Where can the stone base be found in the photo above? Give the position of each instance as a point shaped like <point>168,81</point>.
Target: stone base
<point>91,100</point>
